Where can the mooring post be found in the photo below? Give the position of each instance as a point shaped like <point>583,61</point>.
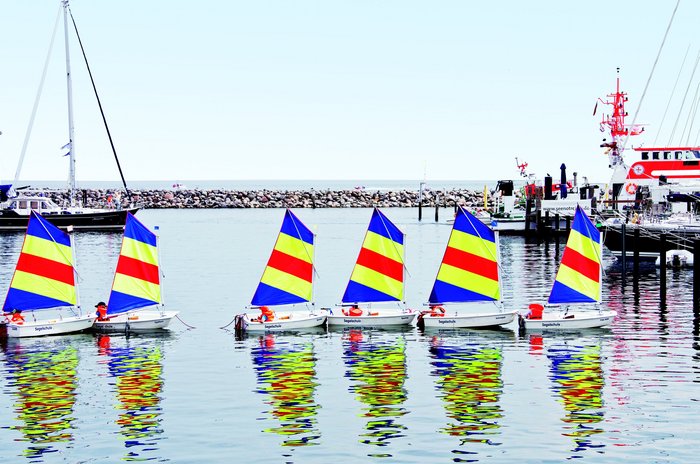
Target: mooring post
<point>623,257</point>
<point>420,201</point>
<point>662,262</point>
<point>538,221</point>
<point>635,250</point>
<point>437,207</point>
<point>696,276</point>
<point>528,212</point>
<point>568,224</point>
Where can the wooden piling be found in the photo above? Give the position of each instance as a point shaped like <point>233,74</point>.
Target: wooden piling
<point>635,248</point>
<point>662,262</point>
<point>696,275</point>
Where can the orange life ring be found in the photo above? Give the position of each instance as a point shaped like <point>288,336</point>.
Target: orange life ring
<point>631,188</point>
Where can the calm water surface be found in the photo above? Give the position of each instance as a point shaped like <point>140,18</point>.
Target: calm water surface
<point>627,394</point>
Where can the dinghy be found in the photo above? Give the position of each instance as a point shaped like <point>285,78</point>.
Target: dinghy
<point>44,279</point>
<point>378,277</point>
<point>135,302</point>
<point>286,282</point>
<point>574,301</point>
<point>468,277</point>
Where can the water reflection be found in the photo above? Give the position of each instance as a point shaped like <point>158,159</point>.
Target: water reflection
<point>470,385</point>
<point>378,371</point>
<point>577,378</point>
<point>286,375</point>
<point>43,382</point>
<point>137,372</point>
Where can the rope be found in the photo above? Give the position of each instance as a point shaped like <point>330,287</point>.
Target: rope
<point>36,101</point>
<point>232,321</point>
<point>185,323</point>
<point>673,91</point>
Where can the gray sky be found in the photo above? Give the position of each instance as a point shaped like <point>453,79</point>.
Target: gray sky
<point>328,89</point>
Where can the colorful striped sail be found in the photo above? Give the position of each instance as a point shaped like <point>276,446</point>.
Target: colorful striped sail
<point>137,277</point>
<point>44,277</point>
<point>288,276</point>
<point>469,268</point>
<point>578,277</point>
<point>378,273</point>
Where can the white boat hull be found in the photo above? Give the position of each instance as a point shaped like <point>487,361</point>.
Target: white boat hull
<point>379,318</point>
<point>572,320</point>
<point>141,321</point>
<point>59,326</point>
<point>284,321</point>
<point>460,321</point>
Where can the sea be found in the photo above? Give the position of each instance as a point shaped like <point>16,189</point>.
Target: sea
<point>198,393</point>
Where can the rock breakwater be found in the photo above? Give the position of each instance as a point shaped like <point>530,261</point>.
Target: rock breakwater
<point>161,199</point>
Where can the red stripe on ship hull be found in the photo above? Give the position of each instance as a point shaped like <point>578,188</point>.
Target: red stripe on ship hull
<point>46,268</point>
<point>291,265</point>
<point>579,263</point>
<point>472,263</point>
<point>139,269</point>
<point>380,263</point>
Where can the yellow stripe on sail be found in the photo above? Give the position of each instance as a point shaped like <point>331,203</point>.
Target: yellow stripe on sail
<point>295,247</point>
<point>472,244</point>
<point>136,287</point>
<point>468,280</point>
<point>287,282</point>
<point>378,281</point>
<point>383,246</point>
<point>44,286</point>
<point>584,245</point>
<point>48,249</point>
<point>578,282</point>
<point>139,250</point>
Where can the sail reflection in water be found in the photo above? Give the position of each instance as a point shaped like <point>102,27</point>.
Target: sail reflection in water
<point>137,371</point>
<point>469,383</point>
<point>44,382</point>
<point>578,379</point>
<point>378,370</point>
<point>286,374</point>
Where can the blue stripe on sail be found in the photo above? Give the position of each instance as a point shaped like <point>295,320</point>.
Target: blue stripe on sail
<point>40,227</point>
<point>448,293</point>
<point>137,231</point>
<point>466,222</point>
<point>21,299</point>
<point>358,293</point>
<point>265,295</point>
<point>563,294</point>
<point>121,302</point>
<point>583,225</point>
<point>292,226</point>
<point>380,224</point>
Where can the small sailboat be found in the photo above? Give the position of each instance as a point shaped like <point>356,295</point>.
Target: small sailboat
<point>44,279</point>
<point>286,280</point>
<point>577,285</point>
<point>469,277</point>
<point>378,277</point>
<point>136,285</point>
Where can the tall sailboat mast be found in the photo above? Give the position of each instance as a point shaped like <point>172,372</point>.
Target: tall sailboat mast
<point>71,128</point>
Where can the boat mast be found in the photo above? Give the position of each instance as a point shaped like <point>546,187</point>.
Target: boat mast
<point>71,129</point>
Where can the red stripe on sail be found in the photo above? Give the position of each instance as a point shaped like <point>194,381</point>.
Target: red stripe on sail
<point>472,263</point>
<point>136,268</point>
<point>43,267</point>
<point>380,263</point>
<point>581,264</point>
<point>291,265</point>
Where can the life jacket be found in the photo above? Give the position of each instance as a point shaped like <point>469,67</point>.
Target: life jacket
<point>101,313</point>
<point>17,318</point>
<point>437,311</point>
<point>267,314</point>
<point>535,311</point>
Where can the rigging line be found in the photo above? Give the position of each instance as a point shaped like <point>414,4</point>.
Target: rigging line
<point>692,113</point>
<point>99,103</point>
<point>685,96</point>
<point>393,243</point>
<point>36,101</point>
<point>313,266</point>
<point>636,113</point>
<point>673,91</point>
<point>482,238</point>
